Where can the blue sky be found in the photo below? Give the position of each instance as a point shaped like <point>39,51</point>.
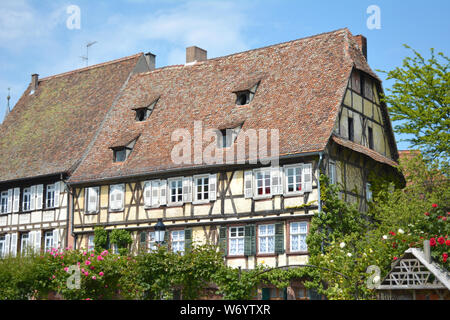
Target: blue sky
<point>34,37</point>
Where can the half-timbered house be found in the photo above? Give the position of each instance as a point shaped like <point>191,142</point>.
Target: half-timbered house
<point>314,100</point>
<point>42,140</point>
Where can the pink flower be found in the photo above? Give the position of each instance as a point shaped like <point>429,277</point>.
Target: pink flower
<point>87,262</point>
<point>84,253</point>
<point>395,258</point>
<point>101,273</point>
<point>94,278</point>
<point>92,254</point>
<point>53,276</point>
<point>92,267</point>
<point>104,253</point>
<point>66,269</point>
<point>99,258</point>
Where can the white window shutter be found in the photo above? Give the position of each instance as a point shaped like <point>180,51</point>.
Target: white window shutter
<point>212,187</point>
<point>14,244</point>
<point>37,241</point>
<point>31,240</point>
<point>163,192</point>
<point>155,193</point>
<point>187,189</point>
<point>92,201</point>
<point>147,193</point>
<point>16,200</point>
<point>120,196</point>
<point>248,184</point>
<point>57,191</point>
<point>276,185</point>
<point>10,201</point>
<point>55,238</point>
<point>39,196</point>
<point>33,198</point>
<point>7,242</point>
<point>307,177</point>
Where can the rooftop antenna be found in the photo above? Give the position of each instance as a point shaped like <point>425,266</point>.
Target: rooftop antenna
<point>86,57</point>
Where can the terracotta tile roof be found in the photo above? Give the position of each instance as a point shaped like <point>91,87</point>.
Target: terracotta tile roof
<point>47,132</point>
<point>364,150</point>
<point>300,93</point>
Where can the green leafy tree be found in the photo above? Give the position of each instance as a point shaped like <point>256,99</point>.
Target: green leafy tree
<point>121,238</point>
<point>100,239</point>
<point>420,100</point>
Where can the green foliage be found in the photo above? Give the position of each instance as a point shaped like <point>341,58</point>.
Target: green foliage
<point>420,101</point>
<point>122,238</point>
<point>100,239</point>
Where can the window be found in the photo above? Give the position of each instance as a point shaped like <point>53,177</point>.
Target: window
<point>244,97</point>
<point>116,197</point>
<point>91,245</point>
<point>370,137</point>
<point>120,154</point>
<point>226,137</point>
<point>368,89</point>
<point>143,114</point>
<point>151,241</point>
<point>26,203</point>
<point>332,172</point>
<point>262,182</point>
<point>178,241</point>
<point>350,128</point>
<point>201,188</point>
<point>176,190</point>
<point>266,238</point>
<point>2,246</point>
<point>50,196</point>
<point>368,191</point>
<point>293,179</point>
<point>4,202</point>
<point>48,240</point>
<point>24,242</point>
<point>236,241</point>
<point>298,234</point>
<point>92,197</point>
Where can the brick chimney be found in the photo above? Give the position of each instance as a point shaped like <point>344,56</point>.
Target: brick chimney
<point>34,81</point>
<point>362,43</point>
<point>195,54</point>
<point>151,60</point>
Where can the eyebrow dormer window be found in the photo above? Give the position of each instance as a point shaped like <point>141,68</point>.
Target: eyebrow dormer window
<point>143,114</point>
<point>226,137</point>
<point>121,153</point>
<point>246,96</point>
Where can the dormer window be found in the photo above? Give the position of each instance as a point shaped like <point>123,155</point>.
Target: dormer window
<point>244,97</point>
<point>143,114</point>
<point>226,137</point>
<point>121,153</point>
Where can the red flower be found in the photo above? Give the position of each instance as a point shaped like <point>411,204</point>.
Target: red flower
<point>441,240</point>
<point>444,257</point>
<point>392,233</point>
<point>427,214</point>
<point>447,242</point>
<point>432,242</point>
<point>394,245</point>
<point>444,219</point>
<point>395,258</point>
<point>434,205</point>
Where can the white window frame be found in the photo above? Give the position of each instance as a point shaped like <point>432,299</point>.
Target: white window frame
<point>203,192</point>
<point>4,202</point>
<point>179,193</point>
<point>91,244</point>
<point>97,201</point>
<point>49,191</point>
<point>48,235</point>
<point>3,245</point>
<point>369,195</point>
<point>238,238</point>
<point>286,177</point>
<point>151,243</point>
<point>255,183</point>
<point>24,243</point>
<point>265,237</point>
<point>117,188</point>
<point>178,242</point>
<point>298,234</point>
<point>26,205</point>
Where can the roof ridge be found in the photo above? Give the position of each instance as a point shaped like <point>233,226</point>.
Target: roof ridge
<point>102,64</point>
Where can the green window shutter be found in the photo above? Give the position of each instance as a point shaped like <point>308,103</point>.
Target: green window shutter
<point>279,238</point>
<point>285,294</point>
<point>143,241</point>
<point>265,294</point>
<point>250,240</point>
<point>223,240</point>
<point>187,239</point>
